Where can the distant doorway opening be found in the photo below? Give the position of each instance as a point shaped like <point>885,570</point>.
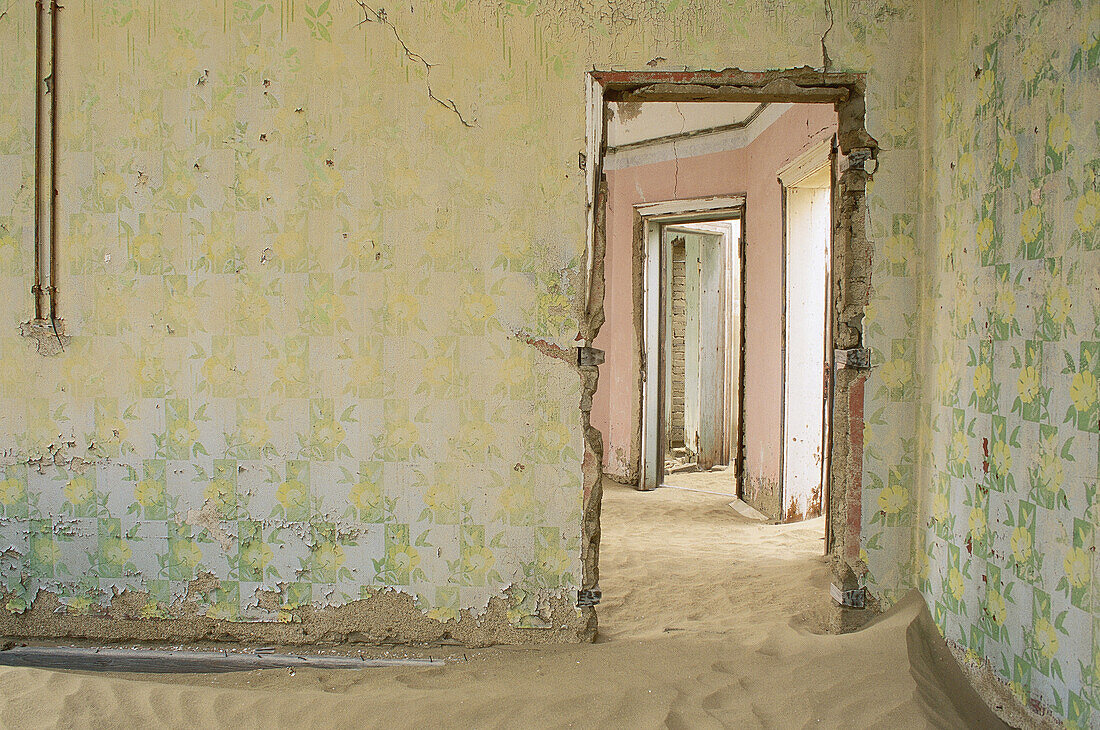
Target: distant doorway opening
<point>693,313</point>
<point>702,323</point>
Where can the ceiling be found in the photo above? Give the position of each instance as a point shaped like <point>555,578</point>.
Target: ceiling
<point>636,122</point>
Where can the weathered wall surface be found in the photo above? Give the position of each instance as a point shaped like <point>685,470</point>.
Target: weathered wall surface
<point>749,170</point>
<point>299,291</point>
<point>300,288</point>
<point>1006,534</point>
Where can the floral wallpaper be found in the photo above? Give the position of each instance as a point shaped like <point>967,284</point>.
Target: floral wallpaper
<point>297,297</point>
<point>301,255</point>
<point>299,289</point>
<point>1006,535</point>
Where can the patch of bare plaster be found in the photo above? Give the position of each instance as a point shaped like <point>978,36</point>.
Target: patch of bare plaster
<point>776,90</point>
<point>588,367</point>
<point>596,285</point>
<point>762,494</point>
<point>134,604</point>
<point>627,110</point>
<point>370,15</point>
<point>203,585</point>
<point>620,468</point>
<point>384,616</point>
<point>57,453</point>
<point>208,518</point>
<point>48,335</point>
<point>851,274</point>
<point>549,349</point>
<point>997,692</point>
<point>269,599</point>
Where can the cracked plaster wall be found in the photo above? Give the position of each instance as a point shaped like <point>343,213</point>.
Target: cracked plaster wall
<point>284,280</point>
<point>298,289</point>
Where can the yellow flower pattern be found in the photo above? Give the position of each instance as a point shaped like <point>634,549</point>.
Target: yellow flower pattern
<point>893,499</point>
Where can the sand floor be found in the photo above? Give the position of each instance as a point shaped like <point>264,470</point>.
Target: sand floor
<point>720,479</point>
<point>708,620</point>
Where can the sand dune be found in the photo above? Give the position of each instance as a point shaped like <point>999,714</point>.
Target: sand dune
<point>708,620</point>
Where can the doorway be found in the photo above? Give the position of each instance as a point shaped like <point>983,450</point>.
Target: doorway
<point>693,312</point>
<point>807,242</point>
<point>702,323</point>
<point>618,278</point>
<point>695,334</point>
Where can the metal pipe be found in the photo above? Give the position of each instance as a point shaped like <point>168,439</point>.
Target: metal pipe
<point>163,660</point>
<point>36,288</point>
<point>54,7</point>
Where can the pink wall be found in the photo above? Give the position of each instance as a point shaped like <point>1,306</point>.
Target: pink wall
<point>750,170</point>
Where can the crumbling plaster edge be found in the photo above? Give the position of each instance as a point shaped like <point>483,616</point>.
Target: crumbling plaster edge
<point>998,694</point>
<point>851,283</point>
<point>387,615</point>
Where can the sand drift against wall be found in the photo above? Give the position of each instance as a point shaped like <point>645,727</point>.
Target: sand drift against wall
<point>724,608</point>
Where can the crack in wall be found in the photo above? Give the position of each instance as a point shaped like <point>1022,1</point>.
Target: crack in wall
<point>676,155</point>
<point>825,60</point>
<point>379,16</point>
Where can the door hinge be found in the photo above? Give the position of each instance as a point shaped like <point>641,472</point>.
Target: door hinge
<point>857,358</point>
<point>859,158</point>
<point>588,597</point>
<point>854,598</point>
<point>589,356</point>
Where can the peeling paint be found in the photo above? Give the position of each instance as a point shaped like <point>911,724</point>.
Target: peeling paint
<point>208,519</point>
<point>383,616</point>
<point>550,349</point>
<point>48,336</point>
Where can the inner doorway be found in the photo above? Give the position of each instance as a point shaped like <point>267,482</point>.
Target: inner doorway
<point>702,320</point>
<point>693,313</point>
<point>741,152</point>
<point>702,406</point>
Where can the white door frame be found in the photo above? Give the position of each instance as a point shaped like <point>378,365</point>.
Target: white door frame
<point>653,216</point>
<point>810,162</point>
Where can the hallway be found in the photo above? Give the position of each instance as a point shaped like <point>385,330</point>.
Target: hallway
<point>681,561</point>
